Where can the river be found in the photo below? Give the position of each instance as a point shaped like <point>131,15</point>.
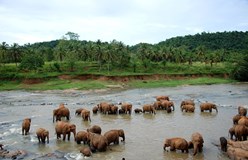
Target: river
<point>145,133</point>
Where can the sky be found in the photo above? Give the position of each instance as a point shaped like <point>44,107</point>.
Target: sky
<point>129,21</point>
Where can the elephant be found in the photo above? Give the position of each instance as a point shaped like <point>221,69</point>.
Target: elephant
<point>61,112</point>
<point>168,109</point>
<point>167,104</point>
<point>237,149</point>
<point>97,142</point>
<point>86,151</point>
<point>113,136</point>
<point>78,111</point>
<point>42,135</point>
<point>105,107</point>
<point>81,136</point>
<point>95,110</point>
<point>65,128</point>
<point>127,107</point>
<point>236,118</point>
<point>159,98</point>
<point>241,132</point>
<point>196,142</point>
<point>208,106</point>
<point>176,143</point>
<point>26,126</point>
<point>95,129</point>
<point>242,110</point>
<point>157,105</point>
<point>148,108</point>
<point>223,144</point>
<point>8,154</point>
<point>232,131</point>
<point>85,115</point>
<point>187,102</point>
<point>188,108</point>
<point>113,109</point>
<point>138,110</point>
<point>244,121</point>
<point>121,111</point>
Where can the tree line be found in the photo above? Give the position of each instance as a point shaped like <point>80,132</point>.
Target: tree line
<point>207,48</point>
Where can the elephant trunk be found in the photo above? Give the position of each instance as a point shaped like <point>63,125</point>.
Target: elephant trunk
<point>123,138</point>
<point>195,148</point>
<point>216,109</point>
<point>74,133</point>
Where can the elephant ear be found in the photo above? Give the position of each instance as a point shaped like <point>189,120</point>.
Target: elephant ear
<point>190,144</point>
<point>121,132</point>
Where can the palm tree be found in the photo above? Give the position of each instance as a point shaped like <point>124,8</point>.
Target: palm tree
<point>3,53</point>
<point>15,52</point>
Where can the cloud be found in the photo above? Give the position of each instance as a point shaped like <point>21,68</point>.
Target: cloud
<point>129,21</point>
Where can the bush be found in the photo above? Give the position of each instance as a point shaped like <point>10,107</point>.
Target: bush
<point>241,70</point>
<point>31,62</point>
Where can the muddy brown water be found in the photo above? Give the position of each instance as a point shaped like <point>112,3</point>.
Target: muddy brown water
<point>145,133</point>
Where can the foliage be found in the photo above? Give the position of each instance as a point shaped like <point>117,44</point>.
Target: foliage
<point>241,70</point>
<point>31,62</point>
<point>210,49</point>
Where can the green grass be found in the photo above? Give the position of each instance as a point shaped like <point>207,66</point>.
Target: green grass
<point>174,83</point>
<point>12,79</point>
<point>57,84</point>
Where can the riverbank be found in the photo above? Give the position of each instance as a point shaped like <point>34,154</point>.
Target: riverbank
<point>88,81</point>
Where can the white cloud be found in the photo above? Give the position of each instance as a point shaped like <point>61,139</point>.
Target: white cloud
<point>130,21</point>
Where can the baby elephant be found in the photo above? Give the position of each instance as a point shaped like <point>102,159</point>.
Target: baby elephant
<point>223,144</point>
<point>86,151</point>
<point>42,134</point>
<point>81,136</point>
<point>188,108</point>
<point>176,143</point>
<point>26,126</point>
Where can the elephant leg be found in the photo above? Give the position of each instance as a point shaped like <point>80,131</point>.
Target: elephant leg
<point>64,135</point>
<point>69,135</point>
<point>58,136</point>
<point>172,148</point>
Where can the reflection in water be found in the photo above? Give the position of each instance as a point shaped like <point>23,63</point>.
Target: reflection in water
<point>145,133</point>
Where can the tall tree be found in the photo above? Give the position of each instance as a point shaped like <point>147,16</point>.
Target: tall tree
<point>72,35</point>
<point>4,52</point>
<point>15,52</point>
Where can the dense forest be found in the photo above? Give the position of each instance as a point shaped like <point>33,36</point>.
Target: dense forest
<point>206,48</point>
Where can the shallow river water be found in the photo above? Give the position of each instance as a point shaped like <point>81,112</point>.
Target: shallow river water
<point>145,133</point>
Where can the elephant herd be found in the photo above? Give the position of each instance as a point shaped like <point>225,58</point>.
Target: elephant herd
<point>97,141</point>
<point>237,147</point>
<point>92,136</point>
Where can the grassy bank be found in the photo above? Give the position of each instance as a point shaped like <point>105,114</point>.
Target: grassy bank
<point>88,76</point>
<point>58,84</point>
